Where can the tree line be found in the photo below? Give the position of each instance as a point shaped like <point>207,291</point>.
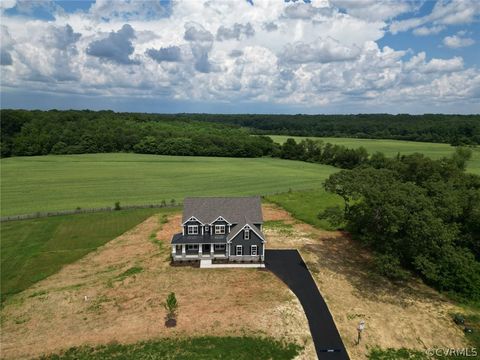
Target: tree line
<point>418,215</point>
<point>439,128</point>
<point>323,153</point>
<point>37,132</point>
<point>27,133</point>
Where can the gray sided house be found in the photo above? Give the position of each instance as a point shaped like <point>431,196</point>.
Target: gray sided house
<point>220,228</point>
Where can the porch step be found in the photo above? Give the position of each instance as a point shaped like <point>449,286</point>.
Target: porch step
<point>205,263</point>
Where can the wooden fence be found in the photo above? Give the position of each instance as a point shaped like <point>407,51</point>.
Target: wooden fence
<point>38,215</point>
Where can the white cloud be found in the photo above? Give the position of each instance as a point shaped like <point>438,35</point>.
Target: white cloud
<point>443,13</point>
<point>425,31</point>
<point>457,41</point>
<point>127,10</point>
<point>322,50</point>
<point>376,9</point>
<point>281,53</point>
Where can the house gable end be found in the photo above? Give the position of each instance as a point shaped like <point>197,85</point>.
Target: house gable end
<point>220,219</point>
<point>251,228</point>
<point>191,219</point>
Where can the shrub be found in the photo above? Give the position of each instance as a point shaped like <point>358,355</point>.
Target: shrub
<point>171,305</point>
<point>334,215</point>
<point>117,206</point>
<point>389,266</point>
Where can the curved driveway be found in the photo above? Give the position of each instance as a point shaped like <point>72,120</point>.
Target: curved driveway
<point>289,266</point>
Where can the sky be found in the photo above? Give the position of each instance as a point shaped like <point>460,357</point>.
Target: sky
<point>242,56</point>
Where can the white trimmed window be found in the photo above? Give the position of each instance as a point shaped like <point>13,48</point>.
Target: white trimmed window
<point>192,247</point>
<point>192,230</point>
<point>219,246</point>
<point>246,234</point>
<point>219,229</point>
<point>239,250</point>
<point>254,250</point>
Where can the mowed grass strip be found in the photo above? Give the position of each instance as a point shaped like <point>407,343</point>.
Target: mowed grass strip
<point>49,183</point>
<point>239,348</point>
<point>307,204</point>
<point>31,250</point>
<point>393,147</point>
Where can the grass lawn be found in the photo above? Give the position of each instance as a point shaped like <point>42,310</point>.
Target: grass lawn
<point>307,204</point>
<point>191,348</point>
<point>44,183</point>
<point>31,250</point>
<point>393,147</point>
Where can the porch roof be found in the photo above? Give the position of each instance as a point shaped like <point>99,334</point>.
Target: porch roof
<point>199,239</point>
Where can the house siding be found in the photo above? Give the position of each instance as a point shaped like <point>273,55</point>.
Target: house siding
<point>219,222</point>
<point>193,222</point>
<point>239,240</point>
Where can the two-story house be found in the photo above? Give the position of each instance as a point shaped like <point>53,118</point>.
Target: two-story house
<point>220,228</point>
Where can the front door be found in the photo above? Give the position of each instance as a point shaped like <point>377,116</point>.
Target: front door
<point>206,248</point>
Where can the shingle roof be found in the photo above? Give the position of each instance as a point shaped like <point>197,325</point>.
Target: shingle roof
<point>240,226</point>
<point>233,209</point>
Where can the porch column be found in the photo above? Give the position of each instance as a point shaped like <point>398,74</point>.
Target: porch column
<point>183,250</point>
<point>199,249</point>
<point>211,249</point>
<point>174,248</point>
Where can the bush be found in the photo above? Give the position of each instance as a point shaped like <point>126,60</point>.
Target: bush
<point>389,266</point>
<point>117,206</point>
<point>334,215</point>
<point>171,305</point>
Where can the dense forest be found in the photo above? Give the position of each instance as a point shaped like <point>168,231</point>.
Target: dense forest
<point>439,128</point>
<point>418,215</point>
<point>72,132</point>
<point>25,133</point>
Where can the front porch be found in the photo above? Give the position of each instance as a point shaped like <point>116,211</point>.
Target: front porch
<point>199,251</point>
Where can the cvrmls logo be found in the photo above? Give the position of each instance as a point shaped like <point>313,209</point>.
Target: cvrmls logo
<point>444,352</point>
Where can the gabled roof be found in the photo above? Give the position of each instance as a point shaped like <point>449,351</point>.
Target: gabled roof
<point>237,228</point>
<point>232,209</point>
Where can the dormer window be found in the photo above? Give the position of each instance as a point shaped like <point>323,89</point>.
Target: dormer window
<point>207,228</point>
<point>192,230</point>
<point>246,234</point>
<point>219,229</point>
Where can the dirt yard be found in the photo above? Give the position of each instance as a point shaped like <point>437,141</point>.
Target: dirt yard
<point>116,294</point>
<point>93,301</point>
<point>412,316</point>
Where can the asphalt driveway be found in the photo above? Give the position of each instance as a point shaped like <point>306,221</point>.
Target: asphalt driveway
<point>289,266</point>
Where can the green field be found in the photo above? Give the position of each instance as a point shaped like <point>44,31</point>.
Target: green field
<point>31,250</point>
<point>393,147</point>
<point>307,204</point>
<point>208,347</point>
<point>43,183</point>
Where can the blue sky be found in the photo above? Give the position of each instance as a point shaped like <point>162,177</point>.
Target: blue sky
<point>321,56</point>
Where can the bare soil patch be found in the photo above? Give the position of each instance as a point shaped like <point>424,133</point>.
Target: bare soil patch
<point>116,293</point>
<point>410,315</point>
